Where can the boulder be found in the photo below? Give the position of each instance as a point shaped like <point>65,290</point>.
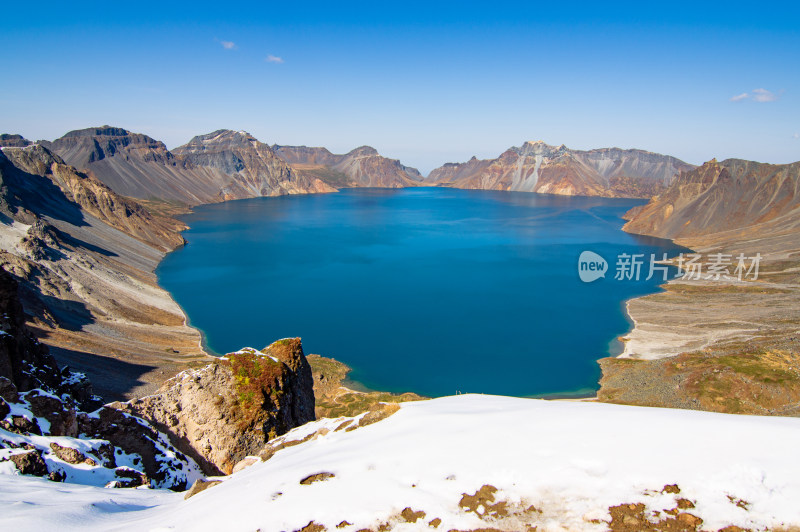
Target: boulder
<point>21,425</point>
<point>70,455</point>
<point>228,410</point>
<point>165,465</point>
<point>30,463</point>
<point>200,485</point>
<point>245,463</point>
<point>62,417</point>
<point>7,390</point>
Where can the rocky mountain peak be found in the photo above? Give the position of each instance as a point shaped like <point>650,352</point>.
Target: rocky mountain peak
<point>231,152</point>
<point>101,131</point>
<point>721,197</point>
<point>51,188</point>
<point>222,137</point>
<point>539,147</point>
<point>537,143</point>
<point>536,166</point>
<point>84,146</point>
<point>8,140</point>
<point>364,151</point>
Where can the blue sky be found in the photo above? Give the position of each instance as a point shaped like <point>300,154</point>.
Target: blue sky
<point>424,82</point>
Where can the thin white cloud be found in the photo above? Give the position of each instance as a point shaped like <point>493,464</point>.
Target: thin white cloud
<point>228,45</point>
<point>273,59</point>
<point>796,136</point>
<point>757,95</point>
<point>763,95</point>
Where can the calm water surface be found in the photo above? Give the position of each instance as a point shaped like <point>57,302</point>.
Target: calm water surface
<point>430,290</point>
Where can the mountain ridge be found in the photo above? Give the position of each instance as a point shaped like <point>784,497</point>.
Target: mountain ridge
<point>536,166</point>
<point>719,197</point>
<point>136,165</point>
<point>360,167</point>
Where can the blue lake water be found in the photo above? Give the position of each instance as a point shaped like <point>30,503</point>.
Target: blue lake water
<point>430,290</point>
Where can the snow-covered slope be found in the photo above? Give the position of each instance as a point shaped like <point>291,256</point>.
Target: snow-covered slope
<point>555,465</point>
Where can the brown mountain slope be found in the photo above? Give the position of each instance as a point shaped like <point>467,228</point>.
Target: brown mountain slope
<point>22,166</point>
<point>84,257</point>
<point>722,197</point>
<point>254,168</point>
<point>719,344</point>
<point>539,167</point>
<point>219,166</point>
<point>361,167</point>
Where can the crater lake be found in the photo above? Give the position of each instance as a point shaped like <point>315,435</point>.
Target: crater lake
<point>431,290</point>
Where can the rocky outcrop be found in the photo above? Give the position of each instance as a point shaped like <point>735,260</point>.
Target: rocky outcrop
<point>30,463</point>
<point>155,457</point>
<point>229,409</point>
<point>47,435</point>
<point>361,167</point>
<point>539,167</point>
<point>26,364</point>
<point>216,167</point>
<point>45,429</point>
<point>199,486</point>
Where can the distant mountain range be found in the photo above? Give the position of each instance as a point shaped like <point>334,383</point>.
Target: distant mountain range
<point>362,167</point>
<point>219,166</point>
<point>227,164</point>
<point>687,201</point>
<point>539,167</point>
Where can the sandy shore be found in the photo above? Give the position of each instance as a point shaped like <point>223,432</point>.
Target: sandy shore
<point>716,345</point>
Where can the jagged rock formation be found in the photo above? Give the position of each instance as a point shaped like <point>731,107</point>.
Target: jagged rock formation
<point>361,167</point>
<point>539,167</point>
<point>47,435</point>
<point>220,166</point>
<point>229,409</point>
<point>85,257</point>
<point>45,432</point>
<point>25,363</point>
<point>219,414</point>
<point>722,197</point>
